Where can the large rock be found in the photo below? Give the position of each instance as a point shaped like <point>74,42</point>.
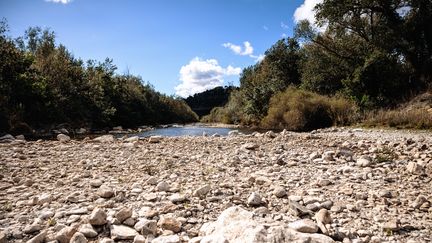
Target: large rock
<point>39,238</point>
<point>238,225</point>
<point>7,138</point>
<point>88,231</point>
<point>63,138</point>
<point>98,217</point>
<point>122,232</point>
<point>146,226</point>
<point>304,225</point>
<point>65,234</point>
<point>415,168</point>
<point>124,214</point>
<point>78,238</point>
<point>105,139</point>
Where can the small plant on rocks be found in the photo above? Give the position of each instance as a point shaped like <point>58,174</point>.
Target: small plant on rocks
<point>51,222</point>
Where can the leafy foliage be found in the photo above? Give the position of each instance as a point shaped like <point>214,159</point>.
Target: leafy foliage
<point>202,103</point>
<point>43,84</point>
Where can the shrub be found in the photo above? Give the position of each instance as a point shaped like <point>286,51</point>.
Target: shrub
<point>301,110</point>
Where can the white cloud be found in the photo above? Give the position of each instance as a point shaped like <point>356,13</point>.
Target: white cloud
<point>306,11</point>
<point>59,1</point>
<point>258,58</point>
<point>265,27</point>
<point>246,51</point>
<point>284,26</point>
<point>200,75</point>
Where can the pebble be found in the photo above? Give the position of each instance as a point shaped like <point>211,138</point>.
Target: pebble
<point>304,226</point>
<point>123,214</point>
<point>202,191</point>
<point>88,231</point>
<point>122,232</point>
<point>254,199</point>
<point>170,224</point>
<point>163,186</point>
<point>105,191</point>
<point>279,192</point>
<point>78,238</point>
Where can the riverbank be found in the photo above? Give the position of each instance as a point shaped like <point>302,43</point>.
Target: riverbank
<point>374,186</point>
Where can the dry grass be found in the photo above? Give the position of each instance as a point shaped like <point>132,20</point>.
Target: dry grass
<point>416,118</point>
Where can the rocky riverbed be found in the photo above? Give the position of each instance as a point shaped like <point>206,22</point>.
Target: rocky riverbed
<point>339,184</point>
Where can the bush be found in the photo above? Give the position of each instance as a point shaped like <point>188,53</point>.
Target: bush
<point>301,110</point>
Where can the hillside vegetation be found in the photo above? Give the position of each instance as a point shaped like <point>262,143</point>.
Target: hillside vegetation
<point>42,84</point>
<point>370,57</point>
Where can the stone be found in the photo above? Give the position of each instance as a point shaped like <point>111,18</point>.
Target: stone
<point>44,198</point>
<point>98,217</point>
<point>419,201</point>
<point>323,215</point>
<point>65,234</point>
<point>123,214</point>
<point>322,218</point>
<point>129,222</point>
<point>177,198</point>
<point>122,232</point>
<point>105,139</point>
<point>39,238</point>
<point>96,183</point>
<point>78,238</point>
<point>238,225</point>
<point>254,199</point>
<point>151,181</point>
<point>364,161</point>
<point>132,139</point>
<point>163,186</point>
<point>415,168</point>
<point>167,239</point>
<point>63,138</point>
<point>88,231</point>
<point>139,239</point>
<point>146,227</point>
<point>391,225</point>
<point>106,240</point>
<point>202,191</point>
<point>155,139</point>
<point>304,226</point>
<point>250,146</point>
<point>3,237</point>
<point>298,210</point>
<point>279,192</point>
<point>324,182</point>
<point>7,138</point>
<point>170,224</point>
<point>30,229</point>
<point>105,191</point>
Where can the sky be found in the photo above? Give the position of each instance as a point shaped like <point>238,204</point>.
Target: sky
<point>181,47</point>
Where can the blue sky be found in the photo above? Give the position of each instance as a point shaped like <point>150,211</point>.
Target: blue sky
<point>179,46</point>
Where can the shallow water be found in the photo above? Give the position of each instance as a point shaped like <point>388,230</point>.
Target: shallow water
<point>187,131</point>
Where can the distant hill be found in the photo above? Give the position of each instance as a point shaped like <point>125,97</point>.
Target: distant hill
<point>202,103</point>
